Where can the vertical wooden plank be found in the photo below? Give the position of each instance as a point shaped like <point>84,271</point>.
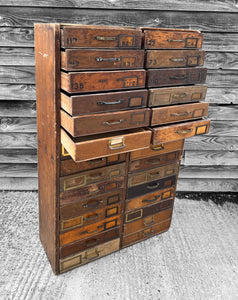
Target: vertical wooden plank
<point>47,55</point>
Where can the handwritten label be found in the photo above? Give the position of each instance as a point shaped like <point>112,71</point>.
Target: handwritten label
<point>126,41</point>
<point>130,81</point>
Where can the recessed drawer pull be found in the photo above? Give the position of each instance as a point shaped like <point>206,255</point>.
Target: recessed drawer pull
<point>96,161</point>
<point>111,103</point>
<point>181,115</point>
<point>117,143</point>
<point>106,38</point>
<point>95,176</point>
<point>150,233</point>
<point>92,257</point>
<point>179,95</point>
<point>170,40</point>
<point>92,218</point>
<point>108,59</point>
<point>154,186</point>
<point>149,224</point>
<point>154,161</point>
<point>90,244</point>
<point>93,205</point>
<point>184,131</point>
<point>113,123</point>
<point>176,59</point>
<point>158,147</point>
<point>154,174</point>
<point>151,200</point>
<point>178,77</point>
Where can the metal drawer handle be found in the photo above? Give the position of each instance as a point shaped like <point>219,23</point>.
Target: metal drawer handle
<point>95,176</point>
<point>117,148</point>
<point>154,161</point>
<point>184,131</point>
<point>179,95</point>
<point>94,231</point>
<point>106,38</point>
<point>92,218</point>
<point>181,115</point>
<point>152,200</point>
<point>111,103</point>
<point>89,244</point>
<point>99,59</point>
<point>158,147</point>
<point>113,123</point>
<point>93,205</point>
<point>150,233</point>
<point>178,77</point>
<point>151,187</point>
<point>170,40</point>
<point>92,257</point>
<point>96,161</point>
<point>154,174</point>
<point>149,224</point>
<point>177,59</point>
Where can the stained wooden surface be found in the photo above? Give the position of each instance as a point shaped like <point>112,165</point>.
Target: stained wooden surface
<point>218,20</point>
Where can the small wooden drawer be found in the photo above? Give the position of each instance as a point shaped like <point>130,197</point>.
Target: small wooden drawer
<point>90,242</point>
<point>145,233</point>
<point>174,58</point>
<point>148,199</point>
<point>147,221</point>
<point>158,38</point>
<point>149,187</point>
<point>178,113</point>
<point>152,174</point>
<point>163,134</point>
<point>155,150</point>
<point>86,148</point>
<point>106,122</point>
<point>100,37</point>
<point>89,230</point>
<point>152,162</point>
<point>176,95</point>
<point>175,76</point>
<point>103,102</point>
<point>89,255</point>
<point>90,59</point>
<point>93,81</point>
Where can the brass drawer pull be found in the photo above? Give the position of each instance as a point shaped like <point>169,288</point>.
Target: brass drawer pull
<point>154,186</point>
<point>178,77</point>
<point>170,40</point>
<point>95,176</point>
<point>106,38</point>
<point>184,131</point>
<point>181,115</point>
<point>149,224</point>
<point>94,231</point>
<point>113,123</point>
<point>93,205</point>
<point>179,95</point>
<point>90,244</point>
<point>92,218</point>
<point>177,59</point>
<point>152,200</point>
<point>150,233</point>
<point>92,257</point>
<point>111,103</point>
<point>117,143</point>
<point>99,59</point>
<point>154,161</point>
<point>96,161</point>
<point>154,174</point>
<point>158,147</point>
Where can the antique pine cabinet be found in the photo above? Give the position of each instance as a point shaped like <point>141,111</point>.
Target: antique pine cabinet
<point>114,105</point>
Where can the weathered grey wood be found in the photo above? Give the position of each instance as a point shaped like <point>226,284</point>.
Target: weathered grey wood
<point>224,128</point>
<point>223,60</point>
<point>10,36</point>
<point>17,91</point>
<point>18,184</point>
<point>208,172</point>
<point>223,112</point>
<point>18,170</point>
<point>215,41</point>
<point>222,95</point>
<point>224,143</point>
<point>18,156</point>
<point>17,74</point>
<point>11,56</point>
<point>18,140</point>
<point>15,124</point>
<point>222,78</point>
<point>17,108</point>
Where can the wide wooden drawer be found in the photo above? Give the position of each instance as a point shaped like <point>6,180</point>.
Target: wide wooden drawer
<point>175,76</point>
<point>155,150</point>
<point>103,102</point>
<point>100,37</point>
<point>174,58</point>
<point>176,95</point>
<point>79,82</point>
<point>172,39</point>
<point>145,233</point>
<point>89,230</point>
<point>148,199</point>
<point>152,174</point>
<point>90,242</point>
<point>90,59</point>
<point>106,122</point>
<point>86,148</point>
<point>154,161</point>
<point>178,113</point>
<point>89,255</point>
<point>149,187</point>
<point>163,134</point>
<point>147,221</point>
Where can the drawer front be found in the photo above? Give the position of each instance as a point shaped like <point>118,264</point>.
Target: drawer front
<point>90,217</point>
<point>174,58</point>
<point>175,76</point>
<point>69,166</point>
<point>148,199</point>
<point>145,233</point>
<point>89,230</point>
<point>79,59</point>
<point>89,242</point>
<point>150,187</point>
<point>172,39</point>
<point>106,122</point>
<point>152,174</point>
<point>177,113</point>
<point>78,82</point>
<point>147,221</point>
<point>103,102</point>
<point>95,37</point>
<point>176,95</point>
<point>106,144</point>
<point>164,134</point>
<point>152,162</point>
<point>147,211</point>
<point>89,255</point>
<point>155,150</point>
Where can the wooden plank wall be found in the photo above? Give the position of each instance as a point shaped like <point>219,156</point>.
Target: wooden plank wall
<point>209,163</point>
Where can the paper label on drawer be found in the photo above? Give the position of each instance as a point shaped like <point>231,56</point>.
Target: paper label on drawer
<point>130,81</point>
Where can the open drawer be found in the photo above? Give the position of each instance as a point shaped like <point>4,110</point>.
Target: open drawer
<point>95,146</point>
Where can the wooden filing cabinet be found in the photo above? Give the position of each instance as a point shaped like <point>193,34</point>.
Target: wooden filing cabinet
<point>114,105</point>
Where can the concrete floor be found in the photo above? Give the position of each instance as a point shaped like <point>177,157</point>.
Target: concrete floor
<point>196,259</point>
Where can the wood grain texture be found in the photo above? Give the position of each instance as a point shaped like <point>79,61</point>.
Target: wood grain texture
<point>17,92</point>
<point>223,60</point>
<point>224,143</point>
<point>17,56</point>
<point>224,172</point>
<point>18,170</point>
<point>18,140</point>
<point>208,185</point>
<point>18,156</point>
<point>16,124</point>
<point>223,112</point>
<point>17,108</point>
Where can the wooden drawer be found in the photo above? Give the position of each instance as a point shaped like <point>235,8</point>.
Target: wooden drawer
<point>155,150</point>
<point>100,37</point>
<point>89,255</point>
<point>90,59</point>
<point>89,230</point>
<point>152,162</point>
<point>184,130</point>
<point>172,39</point>
<point>174,58</point>
<point>84,244</point>
<point>149,187</point>
<point>176,95</point>
<point>147,221</point>
<point>152,198</point>
<point>178,113</point>
<point>103,102</point>
<point>145,233</point>
<point>86,148</point>
<point>80,82</point>
<point>106,122</point>
<point>175,76</point>
<point>152,174</point>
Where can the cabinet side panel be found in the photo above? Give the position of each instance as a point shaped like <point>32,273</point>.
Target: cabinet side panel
<point>47,55</point>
